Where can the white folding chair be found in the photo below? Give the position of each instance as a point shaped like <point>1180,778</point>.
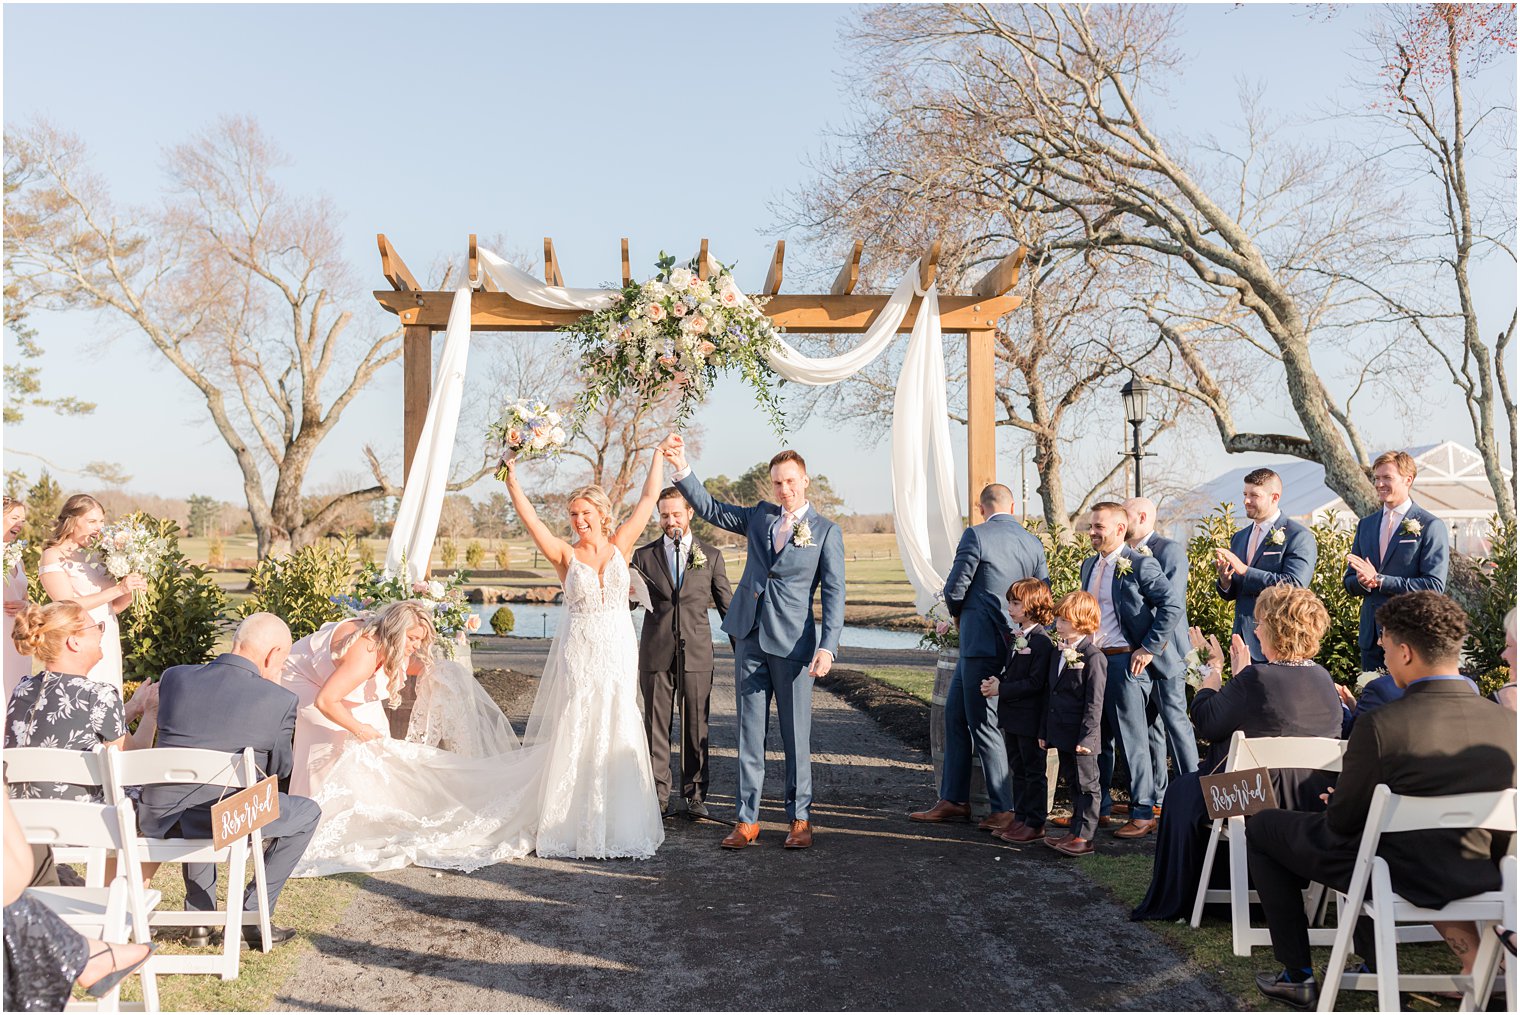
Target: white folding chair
<point>116,914</point>
<point>55,765</point>
<point>231,772</point>
<point>1371,894</point>
<point>1319,753</point>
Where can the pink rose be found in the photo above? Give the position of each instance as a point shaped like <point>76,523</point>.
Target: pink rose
<point>941,627</point>
<point>654,312</point>
<point>473,624</point>
<point>514,437</point>
<point>121,540</point>
<point>668,361</point>
<point>419,588</point>
<point>678,309</point>
<point>706,349</point>
<point>697,324</point>
<point>729,296</point>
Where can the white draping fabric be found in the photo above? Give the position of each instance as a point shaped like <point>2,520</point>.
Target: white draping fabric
<point>428,479</point>
<point>923,471</point>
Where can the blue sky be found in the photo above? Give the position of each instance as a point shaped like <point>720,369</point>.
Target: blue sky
<point>586,123</point>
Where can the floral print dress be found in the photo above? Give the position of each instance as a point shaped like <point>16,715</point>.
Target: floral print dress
<point>66,711</point>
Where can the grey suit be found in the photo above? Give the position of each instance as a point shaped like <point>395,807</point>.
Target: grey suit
<point>225,705</point>
<point>677,626</point>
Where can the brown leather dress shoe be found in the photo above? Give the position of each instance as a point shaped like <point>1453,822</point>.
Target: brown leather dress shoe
<point>943,810</point>
<point>1072,846</point>
<point>1064,821</point>
<point>1021,833</point>
<point>996,821</point>
<point>1136,828</point>
<point>800,837</point>
<point>743,835</point>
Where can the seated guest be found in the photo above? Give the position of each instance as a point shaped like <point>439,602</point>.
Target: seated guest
<point>1021,694</point>
<point>1289,695</point>
<point>1440,738</point>
<point>234,701</point>
<point>1376,693</point>
<point>58,706</point>
<point>1073,722</point>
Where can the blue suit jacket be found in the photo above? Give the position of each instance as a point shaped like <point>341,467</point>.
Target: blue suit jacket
<point>991,557</point>
<point>1292,563</point>
<point>223,705</point>
<point>1414,563</point>
<point>1172,556</point>
<point>774,598</point>
<point>1149,608</point>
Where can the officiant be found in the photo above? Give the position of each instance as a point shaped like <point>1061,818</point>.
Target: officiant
<point>685,575</point>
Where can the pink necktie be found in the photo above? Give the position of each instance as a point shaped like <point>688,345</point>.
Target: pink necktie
<point>783,529</point>
<point>1388,519</point>
<point>1097,583</point>
<point>1254,544</point>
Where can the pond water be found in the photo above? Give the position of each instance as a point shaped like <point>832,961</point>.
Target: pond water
<point>538,621</point>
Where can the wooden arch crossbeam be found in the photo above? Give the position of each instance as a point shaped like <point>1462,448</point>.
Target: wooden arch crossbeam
<point>423,312</point>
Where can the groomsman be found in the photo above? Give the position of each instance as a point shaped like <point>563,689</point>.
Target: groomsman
<point>1140,609</point>
<point>990,558</point>
<point>1399,548</point>
<point>1170,704</point>
<point>1272,550</point>
<point>685,575</point>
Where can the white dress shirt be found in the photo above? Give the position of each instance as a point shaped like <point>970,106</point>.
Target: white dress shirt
<point>1110,634</point>
<point>678,565</point>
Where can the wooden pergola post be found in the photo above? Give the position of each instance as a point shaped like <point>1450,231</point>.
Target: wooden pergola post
<point>416,387</point>
<point>981,426</point>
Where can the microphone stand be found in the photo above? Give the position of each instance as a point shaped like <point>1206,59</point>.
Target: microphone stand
<point>680,661</point>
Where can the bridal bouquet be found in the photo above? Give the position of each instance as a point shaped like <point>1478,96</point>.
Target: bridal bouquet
<point>131,547</point>
<point>942,635</point>
<point>529,431</point>
<point>13,551</point>
<point>452,617</point>
<point>672,335</point>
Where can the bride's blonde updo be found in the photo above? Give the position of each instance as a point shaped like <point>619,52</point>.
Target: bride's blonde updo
<point>598,499</point>
<point>40,631</point>
<point>388,627</point>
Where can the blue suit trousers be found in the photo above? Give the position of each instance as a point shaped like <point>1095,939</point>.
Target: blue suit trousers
<point>971,723</point>
<point>758,678</point>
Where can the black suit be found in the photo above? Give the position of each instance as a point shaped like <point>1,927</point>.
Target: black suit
<point>1074,718</point>
<point>678,626</point>
<point>1439,738</point>
<point>1022,691</point>
<point>225,705</point>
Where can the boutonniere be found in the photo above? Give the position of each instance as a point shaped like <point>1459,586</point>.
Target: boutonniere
<point>1021,645</point>
<point>1143,550</point>
<point>802,534</point>
<point>698,559</point>
<point>1366,677</point>
<point>1073,658</point>
<point>1124,566</point>
<point>1277,537</point>
<point>1411,527</point>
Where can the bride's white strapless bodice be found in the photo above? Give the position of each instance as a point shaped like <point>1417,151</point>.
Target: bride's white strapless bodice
<point>587,592</point>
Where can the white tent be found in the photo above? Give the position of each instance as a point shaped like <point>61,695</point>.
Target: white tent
<point>1450,484</point>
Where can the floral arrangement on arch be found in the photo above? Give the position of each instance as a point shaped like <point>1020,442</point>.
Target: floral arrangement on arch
<point>452,617</point>
<point>675,333</point>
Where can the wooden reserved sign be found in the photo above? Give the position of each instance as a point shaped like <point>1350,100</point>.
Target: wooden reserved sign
<point>245,811</point>
<point>1244,792</point>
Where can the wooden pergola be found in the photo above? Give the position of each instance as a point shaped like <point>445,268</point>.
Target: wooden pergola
<point>424,312</point>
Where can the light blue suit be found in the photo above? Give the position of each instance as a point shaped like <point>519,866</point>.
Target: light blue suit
<point>1414,563</point>
<point>990,558</point>
<point>1291,563</point>
<point>775,637</point>
<point>1170,701</point>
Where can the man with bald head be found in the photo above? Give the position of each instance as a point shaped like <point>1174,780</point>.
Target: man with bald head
<point>234,701</point>
<point>1272,550</point>
<point>1171,724</point>
<point>991,557</point>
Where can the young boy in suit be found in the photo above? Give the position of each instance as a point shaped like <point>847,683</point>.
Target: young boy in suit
<point>1074,714</point>
<point>1021,691</point>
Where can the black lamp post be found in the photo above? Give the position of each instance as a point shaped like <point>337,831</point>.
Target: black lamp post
<point>1135,392</point>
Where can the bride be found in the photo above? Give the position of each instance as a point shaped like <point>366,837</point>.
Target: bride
<point>580,783</point>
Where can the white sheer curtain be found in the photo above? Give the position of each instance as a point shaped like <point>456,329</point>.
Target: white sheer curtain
<point>923,468</point>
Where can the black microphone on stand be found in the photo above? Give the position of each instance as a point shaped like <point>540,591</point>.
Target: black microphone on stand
<point>679,712</point>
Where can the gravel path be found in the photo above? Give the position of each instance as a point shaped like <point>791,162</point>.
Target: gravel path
<point>880,914</point>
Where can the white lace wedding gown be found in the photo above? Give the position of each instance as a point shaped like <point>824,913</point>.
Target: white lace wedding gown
<point>578,785</point>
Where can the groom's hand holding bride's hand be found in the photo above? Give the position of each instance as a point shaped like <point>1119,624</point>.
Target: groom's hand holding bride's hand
<point>673,447</point>
<point>823,661</point>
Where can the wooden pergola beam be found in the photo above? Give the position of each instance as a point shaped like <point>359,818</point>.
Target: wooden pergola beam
<point>773,273</point>
<point>394,268</point>
<point>551,264</point>
<point>849,275</point>
<point>627,269</point>
<point>702,260</point>
<point>928,266</point>
<point>1003,276</point>
<point>803,313</point>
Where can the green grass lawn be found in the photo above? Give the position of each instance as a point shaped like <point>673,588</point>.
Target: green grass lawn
<point>1209,947</point>
<point>917,681</point>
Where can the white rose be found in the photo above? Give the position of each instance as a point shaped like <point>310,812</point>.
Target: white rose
<point>558,435</point>
<point>435,590</point>
<point>681,278</point>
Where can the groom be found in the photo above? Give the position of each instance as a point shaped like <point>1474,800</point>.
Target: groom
<point>778,652</point>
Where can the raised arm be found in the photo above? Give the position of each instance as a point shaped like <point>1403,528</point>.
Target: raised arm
<point>725,516</point>
<point>631,529</point>
<point>551,546</point>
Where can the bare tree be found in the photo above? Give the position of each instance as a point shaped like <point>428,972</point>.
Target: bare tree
<point>235,282</point>
<point>1064,91</point>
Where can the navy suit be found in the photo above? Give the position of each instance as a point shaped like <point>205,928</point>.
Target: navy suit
<point>990,558</point>
<point>1074,718</point>
<point>1023,692</point>
<point>1171,721</point>
<point>1290,562</point>
<point>770,619</point>
<point>1149,610</point>
<point>225,705</point>
<point>1415,562</point>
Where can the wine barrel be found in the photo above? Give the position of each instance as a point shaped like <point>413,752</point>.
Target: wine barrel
<point>943,673</point>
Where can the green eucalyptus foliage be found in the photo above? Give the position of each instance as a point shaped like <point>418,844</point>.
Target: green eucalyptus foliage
<point>304,588</point>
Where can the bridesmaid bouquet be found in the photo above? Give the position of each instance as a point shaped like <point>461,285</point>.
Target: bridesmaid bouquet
<point>452,617</point>
<point>13,552</point>
<point>529,431</point>
<point>131,547</point>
